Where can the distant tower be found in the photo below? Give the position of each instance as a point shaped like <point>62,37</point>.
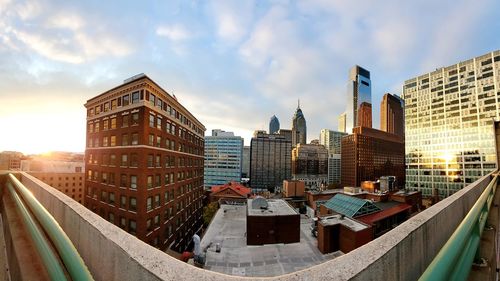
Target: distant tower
<point>358,91</point>
<point>342,123</point>
<point>299,128</point>
<point>274,125</point>
<point>392,115</point>
<point>365,115</point>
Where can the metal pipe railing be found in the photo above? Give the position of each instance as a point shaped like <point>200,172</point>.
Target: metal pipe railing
<point>67,251</point>
<point>49,258</point>
<point>454,260</point>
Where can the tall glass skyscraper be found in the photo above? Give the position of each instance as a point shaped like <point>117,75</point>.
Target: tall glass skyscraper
<point>448,125</point>
<point>223,158</point>
<point>299,127</point>
<point>274,125</point>
<point>358,91</point>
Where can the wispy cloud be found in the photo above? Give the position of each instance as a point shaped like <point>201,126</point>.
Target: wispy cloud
<point>174,32</point>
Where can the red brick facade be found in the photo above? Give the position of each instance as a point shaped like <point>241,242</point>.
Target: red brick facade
<point>144,163</point>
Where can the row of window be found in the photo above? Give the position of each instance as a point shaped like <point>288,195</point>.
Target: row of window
<point>153,181</point>
<point>132,160</point>
<point>136,97</point>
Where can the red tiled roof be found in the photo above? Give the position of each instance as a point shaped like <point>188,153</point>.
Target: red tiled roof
<point>372,218</point>
<point>238,188</point>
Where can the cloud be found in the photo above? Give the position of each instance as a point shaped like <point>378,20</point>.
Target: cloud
<point>174,32</point>
<point>232,19</point>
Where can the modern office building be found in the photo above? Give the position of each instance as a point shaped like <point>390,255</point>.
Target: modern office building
<point>331,140</point>
<point>274,125</point>
<point>449,134</point>
<point>365,115</point>
<point>270,160</point>
<point>299,128</point>
<point>358,91</point>
<point>245,162</point>
<point>368,154</point>
<point>310,165</point>
<point>342,123</point>
<point>334,169</point>
<point>223,158</point>
<point>392,115</point>
<point>144,163</point>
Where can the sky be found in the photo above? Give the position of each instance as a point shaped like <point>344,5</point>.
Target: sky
<point>232,64</point>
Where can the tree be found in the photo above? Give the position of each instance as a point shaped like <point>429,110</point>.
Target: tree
<point>209,212</point>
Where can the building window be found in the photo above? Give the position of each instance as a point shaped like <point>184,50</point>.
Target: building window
<point>123,222</point>
<point>158,161</point>
<point>123,202</point>
<point>112,178</point>
<point>113,104</point>
<point>157,200</point>
<point>149,227</point>
<point>151,120</point>
<point>158,123</point>
<point>123,180</point>
<point>113,141</point>
<point>152,99</point>
<point>150,161</point>
<point>133,182</point>
<point>131,226</point>
<point>124,162</point>
<point>112,160</point>
<point>125,139</point>
<point>111,198</point>
<point>104,177</point>
<point>135,97</point>
<point>135,139</point>
<point>166,197</point>
<point>97,126</point>
<point>111,217</point>
<point>151,139</point>
<point>105,159</point>
<point>157,180</point>
<point>149,204</point>
<point>105,125</point>
<point>135,118</point>
<point>113,123</point>
<point>150,182</point>
<point>132,204</point>
<point>134,160</point>
<point>158,141</point>
<point>157,220</point>
<point>104,141</point>
<point>125,100</point>
<point>125,121</point>
<point>104,196</point>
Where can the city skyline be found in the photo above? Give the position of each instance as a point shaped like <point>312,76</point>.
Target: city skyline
<point>249,63</point>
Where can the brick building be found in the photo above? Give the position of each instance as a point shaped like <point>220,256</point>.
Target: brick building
<point>144,163</point>
<point>369,154</point>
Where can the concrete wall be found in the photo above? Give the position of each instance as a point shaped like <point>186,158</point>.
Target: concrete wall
<point>403,254</point>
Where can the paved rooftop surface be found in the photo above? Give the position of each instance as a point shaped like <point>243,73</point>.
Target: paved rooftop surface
<point>346,221</point>
<point>228,228</point>
<point>275,207</point>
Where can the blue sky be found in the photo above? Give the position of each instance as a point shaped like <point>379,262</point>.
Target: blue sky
<point>233,64</point>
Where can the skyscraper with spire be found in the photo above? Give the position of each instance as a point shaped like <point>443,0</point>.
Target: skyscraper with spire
<point>274,125</point>
<point>299,128</point>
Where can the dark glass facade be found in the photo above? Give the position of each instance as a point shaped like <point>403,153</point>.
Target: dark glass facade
<point>368,154</point>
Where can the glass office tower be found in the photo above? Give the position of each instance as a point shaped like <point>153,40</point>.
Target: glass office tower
<point>223,158</point>
<point>358,91</point>
<point>448,121</point>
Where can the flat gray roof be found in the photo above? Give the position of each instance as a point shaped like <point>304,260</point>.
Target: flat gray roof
<point>346,221</point>
<point>228,229</point>
<point>276,207</point>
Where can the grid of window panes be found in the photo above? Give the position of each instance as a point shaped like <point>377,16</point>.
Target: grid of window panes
<point>223,160</point>
<point>448,124</point>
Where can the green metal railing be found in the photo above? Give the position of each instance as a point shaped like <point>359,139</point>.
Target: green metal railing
<point>70,257</point>
<point>454,260</point>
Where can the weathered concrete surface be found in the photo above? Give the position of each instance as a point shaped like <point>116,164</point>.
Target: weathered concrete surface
<point>401,254</point>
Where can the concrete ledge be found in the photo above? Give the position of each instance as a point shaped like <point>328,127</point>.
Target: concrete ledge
<point>401,254</point>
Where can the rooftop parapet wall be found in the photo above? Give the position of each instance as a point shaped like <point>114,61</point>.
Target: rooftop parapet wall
<point>402,254</point>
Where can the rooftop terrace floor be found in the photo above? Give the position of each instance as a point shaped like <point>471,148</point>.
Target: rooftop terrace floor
<point>228,228</point>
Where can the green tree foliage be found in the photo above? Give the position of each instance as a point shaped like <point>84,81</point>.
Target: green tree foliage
<point>209,212</point>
